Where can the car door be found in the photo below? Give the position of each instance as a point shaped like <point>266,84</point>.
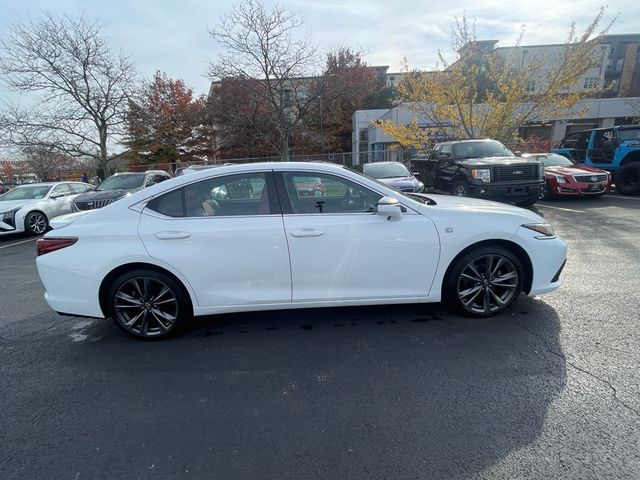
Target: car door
<point>59,200</point>
<point>228,243</point>
<point>342,250</point>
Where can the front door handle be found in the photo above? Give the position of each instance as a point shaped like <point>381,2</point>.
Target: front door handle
<point>172,235</point>
<point>307,232</point>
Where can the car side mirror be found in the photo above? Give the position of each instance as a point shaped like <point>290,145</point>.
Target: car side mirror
<point>389,207</point>
<point>56,195</point>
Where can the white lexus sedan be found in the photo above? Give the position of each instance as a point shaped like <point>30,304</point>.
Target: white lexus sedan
<point>246,237</point>
<point>29,208</point>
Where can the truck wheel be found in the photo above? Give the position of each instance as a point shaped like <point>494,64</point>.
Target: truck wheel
<point>461,188</point>
<point>546,191</point>
<point>628,179</point>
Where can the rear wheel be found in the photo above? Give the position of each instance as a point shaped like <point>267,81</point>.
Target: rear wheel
<point>628,180</point>
<point>483,282</point>
<point>148,304</point>
<point>36,223</point>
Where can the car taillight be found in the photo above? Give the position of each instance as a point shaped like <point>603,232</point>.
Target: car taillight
<point>47,245</point>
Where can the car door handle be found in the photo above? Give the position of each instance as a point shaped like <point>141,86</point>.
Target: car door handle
<point>307,232</point>
<point>172,235</point>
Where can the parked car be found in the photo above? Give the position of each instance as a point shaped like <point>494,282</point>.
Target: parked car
<point>614,149</point>
<point>564,177</point>
<point>29,208</point>
<point>118,186</point>
<point>395,175</point>
<point>4,188</point>
<point>154,259</point>
<point>480,168</point>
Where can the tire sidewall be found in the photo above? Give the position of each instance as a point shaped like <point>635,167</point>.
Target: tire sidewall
<point>185,310</point>
<point>628,170</point>
<point>450,284</point>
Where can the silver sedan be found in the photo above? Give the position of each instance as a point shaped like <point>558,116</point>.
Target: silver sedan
<point>29,208</point>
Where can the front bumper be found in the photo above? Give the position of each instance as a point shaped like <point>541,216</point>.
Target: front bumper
<point>576,189</point>
<point>507,193</point>
<point>548,257</point>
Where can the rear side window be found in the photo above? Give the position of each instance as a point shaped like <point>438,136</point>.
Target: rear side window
<point>232,195</point>
<point>169,204</point>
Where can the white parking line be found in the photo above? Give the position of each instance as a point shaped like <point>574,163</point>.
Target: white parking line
<point>559,208</point>
<point>634,199</point>
<point>18,243</point>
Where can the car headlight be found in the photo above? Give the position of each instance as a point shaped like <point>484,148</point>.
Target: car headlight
<point>10,216</point>
<point>543,228</point>
<point>541,170</point>
<point>560,179</point>
<point>483,174</point>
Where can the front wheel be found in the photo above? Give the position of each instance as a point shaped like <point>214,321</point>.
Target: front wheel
<point>483,282</point>
<point>36,223</point>
<point>461,188</point>
<point>628,180</point>
<point>148,304</point>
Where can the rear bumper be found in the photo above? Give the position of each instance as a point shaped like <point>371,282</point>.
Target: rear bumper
<point>508,193</point>
<point>69,293</point>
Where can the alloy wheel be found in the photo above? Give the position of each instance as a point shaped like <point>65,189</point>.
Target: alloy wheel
<point>37,223</point>
<point>145,307</point>
<point>460,191</point>
<point>487,284</point>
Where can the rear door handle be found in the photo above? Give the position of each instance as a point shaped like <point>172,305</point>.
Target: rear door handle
<point>307,232</point>
<point>172,235</point>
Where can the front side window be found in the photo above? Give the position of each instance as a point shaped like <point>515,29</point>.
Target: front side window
<point>79,187</point>
<point>231,195</point>
<point>310,192</point>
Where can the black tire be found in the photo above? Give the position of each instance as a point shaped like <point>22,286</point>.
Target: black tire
<point>546,192</point>
<point>36,223</point>
<point>628,180</point>
<point>161,304</point>
<point>467,292</point>
<point>460,188</point>
<point>527,203</point>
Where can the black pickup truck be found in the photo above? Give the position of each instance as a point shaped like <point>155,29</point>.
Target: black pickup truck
<point>480,168</point>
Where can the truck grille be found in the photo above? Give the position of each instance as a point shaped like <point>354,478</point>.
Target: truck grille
<point>596,177</point>
<point>510,173</point>
<point>92,205</point>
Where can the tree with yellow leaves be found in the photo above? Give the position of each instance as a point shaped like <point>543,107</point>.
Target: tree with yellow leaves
<point>487,93</point>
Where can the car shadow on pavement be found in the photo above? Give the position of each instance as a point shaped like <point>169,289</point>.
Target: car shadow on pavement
<point>406,391</point>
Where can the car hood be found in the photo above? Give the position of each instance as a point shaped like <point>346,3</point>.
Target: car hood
<point>8,205</point>
<point>399,181</point>
<point>492,161</point>
<point>478,206</point>
<point>103,195</point>
<point>572,170</point>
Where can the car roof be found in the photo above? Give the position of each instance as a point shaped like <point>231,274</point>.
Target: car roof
<point>379,163</point>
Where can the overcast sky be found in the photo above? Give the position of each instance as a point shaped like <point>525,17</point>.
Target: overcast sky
<point>171,36</point>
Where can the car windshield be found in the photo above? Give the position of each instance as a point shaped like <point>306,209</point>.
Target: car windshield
<point>553,160</point>
<point>129,181</point>
<point>31,192</point>
<point>386,170</point>
<point>481,149</point>
<point>629,134</point>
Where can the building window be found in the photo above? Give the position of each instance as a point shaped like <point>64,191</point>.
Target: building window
<point>285,98</point>
<point>531,86</point>
<point>591,82</point>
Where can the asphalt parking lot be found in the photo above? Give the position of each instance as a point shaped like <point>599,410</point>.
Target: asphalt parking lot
<point>550,389</point>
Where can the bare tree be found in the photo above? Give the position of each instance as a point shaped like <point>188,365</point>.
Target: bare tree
<point>80,84</point>
<point>45,162</point>
<point>260,45</point>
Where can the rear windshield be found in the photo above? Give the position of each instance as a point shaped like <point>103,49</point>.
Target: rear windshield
<point>386,170</point>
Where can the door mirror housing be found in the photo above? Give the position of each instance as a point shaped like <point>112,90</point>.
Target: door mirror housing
<point>389,207</point>
<point>56,195</point>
